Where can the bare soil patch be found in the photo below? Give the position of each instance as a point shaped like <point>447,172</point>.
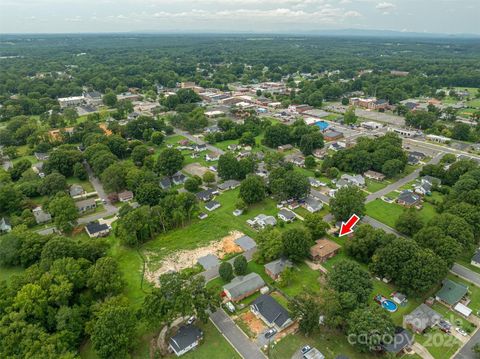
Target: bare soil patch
<point>255,325</point>
<point>188,258</point>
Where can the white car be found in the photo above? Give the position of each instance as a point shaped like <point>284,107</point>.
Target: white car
<point>230,307</point>
<point>461,331</point>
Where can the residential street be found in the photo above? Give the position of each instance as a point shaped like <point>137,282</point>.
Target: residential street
<point>466,352</point>
<point>110,209</point>
<point>376,224</point>
<point>242,344</point>
<point>466,273</point>
<point>198,141</point>
<point>395,186</point>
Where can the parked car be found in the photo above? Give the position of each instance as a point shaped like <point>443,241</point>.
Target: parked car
<point>270,333</point>
<point>191,320</point>
<point>306,349</point>
<point>230,307</point>
<point>461,331</point>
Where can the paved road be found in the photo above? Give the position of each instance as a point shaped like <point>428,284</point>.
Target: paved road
<point>401,182</point>
<point>466,352</point>
<point>376,224</point>
<point>242,344</point>
<point>198,141</point>
<point>110,209</point>
<point>466,273</point>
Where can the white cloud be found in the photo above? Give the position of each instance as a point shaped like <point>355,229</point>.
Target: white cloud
<point>385,7</point>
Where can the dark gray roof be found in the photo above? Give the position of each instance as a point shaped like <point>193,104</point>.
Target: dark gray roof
<point>278,266</point>
<point>287,213</point>
<point>408,197</point>
<point>95,227</point>
<point>271,310</point>
<point>229,184</point>
<point>165,182</point>
<point>244,284</point>
<point>423,317</point>
<point>246,243</point>
<point>211,205</point>
<point>208,261</point>
<point>185,336</point>
<point>205,195</point>
<point>402,339</point>
<point>476,256</point>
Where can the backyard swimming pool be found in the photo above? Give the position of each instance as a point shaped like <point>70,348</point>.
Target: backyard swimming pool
<point>322,125</point>
<point>389,305</point>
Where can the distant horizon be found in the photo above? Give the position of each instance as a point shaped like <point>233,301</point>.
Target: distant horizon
<point>345,32</point>
<point>231,16</point>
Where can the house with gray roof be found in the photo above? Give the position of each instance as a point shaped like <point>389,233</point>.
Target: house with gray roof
<point>212,205</point>
<point>187,338</point>
<point>275,268</point>
<point>243,286</point>
<point>271,312</point>
<point>422,318</point>
<point>356,180</point>
<point>209,261</point>
<point>312,205</point>
<point>76,190</point>
<point>86,205</point>
<point>401,340</point>
<point>41,216</point>
<point>261,221</point>
<point>246,243</point>
<point>476,259</point>
<point>408,198</point>
<point>227,185</point>
<point>165,183</point>
<point>286,215</point>
<point>5,225</point>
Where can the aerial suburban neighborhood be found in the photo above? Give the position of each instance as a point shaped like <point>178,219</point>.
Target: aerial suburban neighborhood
<point>239,196</point>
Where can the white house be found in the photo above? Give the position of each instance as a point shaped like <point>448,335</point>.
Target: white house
<point>187,338</point>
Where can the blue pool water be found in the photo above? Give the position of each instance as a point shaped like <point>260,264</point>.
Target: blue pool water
<point>322,124</point>
<point>389,305</point>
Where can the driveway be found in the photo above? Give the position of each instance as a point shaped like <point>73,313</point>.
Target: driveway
<point>237,339</point>
<point>466,273</point>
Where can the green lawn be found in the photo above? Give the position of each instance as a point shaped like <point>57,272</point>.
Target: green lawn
<point>213,345</point>
<point>389,212</point>
<point>329,343</point>
<point>218,224</point>
<point>7,273</point>
<point>304,279</point>
<point>384,212</point>
<point>438,343</point>
<point>375,186</point>
<point>87,186</point>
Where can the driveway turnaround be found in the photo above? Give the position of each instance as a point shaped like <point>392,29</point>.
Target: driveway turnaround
<point>237,339</point>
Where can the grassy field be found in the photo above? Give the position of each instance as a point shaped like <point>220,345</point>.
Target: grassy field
<point>7,273</point>
<point>87,186</point>
<point>218,224</point>
<point>438,343</point>
<point>374,186</point>
<point>389,212</point>
<point>330,344</point>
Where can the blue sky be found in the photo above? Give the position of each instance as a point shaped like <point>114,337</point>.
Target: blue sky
<point>436,16</point>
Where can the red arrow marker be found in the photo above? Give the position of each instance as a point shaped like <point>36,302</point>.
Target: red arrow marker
<point>347,228</point>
